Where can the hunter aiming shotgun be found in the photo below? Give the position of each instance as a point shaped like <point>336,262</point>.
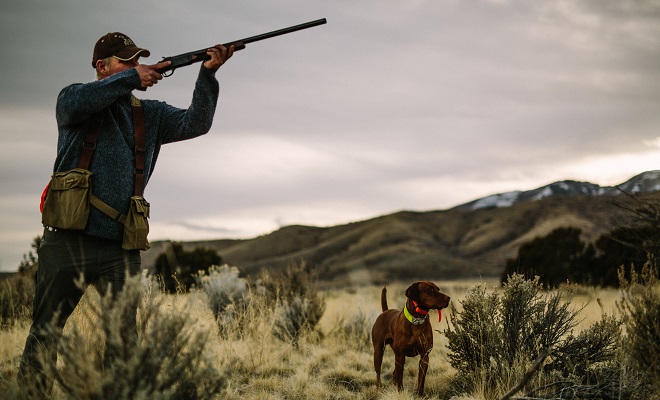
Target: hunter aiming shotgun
<point>192,57</point>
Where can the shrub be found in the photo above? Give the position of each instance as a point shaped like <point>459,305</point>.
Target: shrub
<point>177,268</point>
<point>354,332</point>
<point>17,290</point>
<point>289,300</point>
<point>299,307</point>
<point>223,287</point>
<point>475,338</point>
<point>228,297</point>
<point>16,298</point>
<point>496,336</point>
<point>165,360</point>
<point>640,309</point>
<point>295,316</point>
<point>576,355</point>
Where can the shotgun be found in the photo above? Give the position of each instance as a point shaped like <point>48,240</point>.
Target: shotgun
<point>192,57</point>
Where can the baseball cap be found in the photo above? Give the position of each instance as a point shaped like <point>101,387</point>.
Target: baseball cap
<point>118,45</point>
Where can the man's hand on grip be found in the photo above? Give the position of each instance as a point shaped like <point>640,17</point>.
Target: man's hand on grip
<point>149,75</point>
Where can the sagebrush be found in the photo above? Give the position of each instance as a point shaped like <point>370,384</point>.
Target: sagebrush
<point>640,311</point>
<point>497,336</point>
<point>113,356</point>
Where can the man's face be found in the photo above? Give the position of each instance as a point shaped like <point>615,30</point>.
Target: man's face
<point>116,65</point>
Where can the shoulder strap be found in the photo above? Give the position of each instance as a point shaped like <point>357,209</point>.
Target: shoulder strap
<point>91,137</point>
<point>89,145</point>
<point>138,129</point>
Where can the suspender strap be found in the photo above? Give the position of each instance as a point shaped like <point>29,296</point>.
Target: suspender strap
<point>89,145</point>
<point>138,128</point>
<point>91,137</point>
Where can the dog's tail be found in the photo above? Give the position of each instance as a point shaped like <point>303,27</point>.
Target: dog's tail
<point>383,299</point>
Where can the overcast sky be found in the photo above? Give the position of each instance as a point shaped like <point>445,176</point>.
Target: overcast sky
<point>392,105</point>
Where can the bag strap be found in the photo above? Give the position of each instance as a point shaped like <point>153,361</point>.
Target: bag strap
<point>92,136</point>
<point>89,145</point>
<point>106,209</point>
<point>140,151</point>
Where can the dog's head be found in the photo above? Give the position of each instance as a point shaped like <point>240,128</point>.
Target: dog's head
<point>427,295</point>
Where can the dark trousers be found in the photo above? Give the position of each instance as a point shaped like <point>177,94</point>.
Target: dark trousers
<point>65,257</point>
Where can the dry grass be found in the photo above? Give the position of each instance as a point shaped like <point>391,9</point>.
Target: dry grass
<point>330,362</point>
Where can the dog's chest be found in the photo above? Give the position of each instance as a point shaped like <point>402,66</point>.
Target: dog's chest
<point>412,339</point>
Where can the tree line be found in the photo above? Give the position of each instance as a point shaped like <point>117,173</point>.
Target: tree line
<point>562,256</point>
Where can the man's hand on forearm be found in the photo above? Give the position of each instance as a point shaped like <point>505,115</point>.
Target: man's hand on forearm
<point>219,55</point>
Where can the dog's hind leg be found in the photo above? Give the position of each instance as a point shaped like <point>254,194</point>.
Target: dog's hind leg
<point>379,350</point>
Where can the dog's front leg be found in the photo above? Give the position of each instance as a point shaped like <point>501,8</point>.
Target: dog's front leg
<point>421,375</point>
<point>397,376</point>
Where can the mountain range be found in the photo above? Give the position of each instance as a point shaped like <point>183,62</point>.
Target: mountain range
<point>470,240</point>
<point>646,182</point>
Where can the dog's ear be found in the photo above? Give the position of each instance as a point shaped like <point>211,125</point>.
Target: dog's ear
<point>413,291</point>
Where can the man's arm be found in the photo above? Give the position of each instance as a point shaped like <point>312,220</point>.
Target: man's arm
<point>178,124</point>
<point>78,102</point>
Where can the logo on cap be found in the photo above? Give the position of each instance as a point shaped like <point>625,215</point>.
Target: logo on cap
<point>127,41</point>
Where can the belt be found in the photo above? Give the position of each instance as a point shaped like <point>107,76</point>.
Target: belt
<point>53,229</point>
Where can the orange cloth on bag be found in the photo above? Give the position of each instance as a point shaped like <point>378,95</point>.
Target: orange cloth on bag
<point>43,198</point>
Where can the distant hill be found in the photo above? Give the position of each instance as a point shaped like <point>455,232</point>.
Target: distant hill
<point>470,240</point>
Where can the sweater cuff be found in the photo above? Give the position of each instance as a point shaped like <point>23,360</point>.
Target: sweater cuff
<point>207,72</point>
<point>134,79</point>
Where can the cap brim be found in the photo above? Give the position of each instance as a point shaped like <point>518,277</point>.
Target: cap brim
<point>130,53</point>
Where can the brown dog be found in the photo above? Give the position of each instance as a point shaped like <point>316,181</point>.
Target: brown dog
<point>407,331</point>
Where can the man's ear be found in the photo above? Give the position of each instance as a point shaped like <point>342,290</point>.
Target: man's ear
<point>101,68</point>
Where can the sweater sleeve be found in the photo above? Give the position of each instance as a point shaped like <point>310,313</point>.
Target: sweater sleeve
<point>177,124</point>
<point>78,102</point>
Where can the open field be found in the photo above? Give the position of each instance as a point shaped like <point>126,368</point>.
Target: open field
<point>330,362</point>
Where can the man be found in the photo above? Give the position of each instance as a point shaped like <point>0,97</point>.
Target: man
<point>96,253</point>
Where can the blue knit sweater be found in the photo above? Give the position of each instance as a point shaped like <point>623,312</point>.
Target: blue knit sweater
<point>112,163</point>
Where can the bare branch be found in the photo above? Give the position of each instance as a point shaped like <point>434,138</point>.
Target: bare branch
<point>528,374</point>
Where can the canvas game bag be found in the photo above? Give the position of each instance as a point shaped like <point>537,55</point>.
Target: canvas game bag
<point>66,205</point>
<point>136,225</point>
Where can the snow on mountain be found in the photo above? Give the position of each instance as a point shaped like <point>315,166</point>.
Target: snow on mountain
<point>647,182</point>
<point>643,183</point>
<point>497,200</point>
